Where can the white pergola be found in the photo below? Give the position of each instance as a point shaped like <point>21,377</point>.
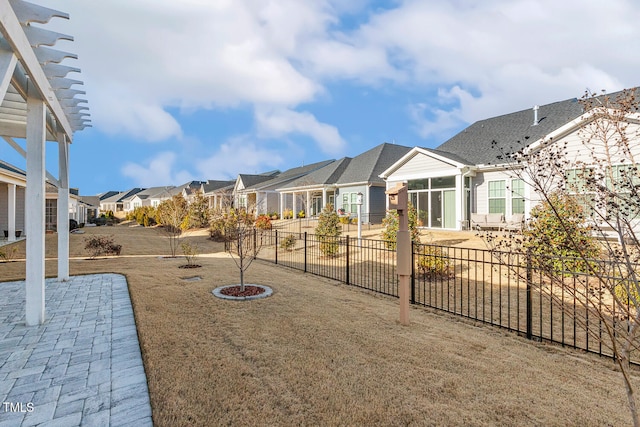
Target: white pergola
<point>38,105</point>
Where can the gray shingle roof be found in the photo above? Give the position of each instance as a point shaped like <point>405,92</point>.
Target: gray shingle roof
<point>326,175</point>
<point>509,131</point>
<point>213,185</point>
<point>367,166</point>
<point>286,176</point>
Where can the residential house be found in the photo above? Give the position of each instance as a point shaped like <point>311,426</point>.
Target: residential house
<point>13,182</point>
<point>119,203</point>
<point>12,203</point>
<point>148,197</point>
<point>218,193</point>
<point>468,174</point>
<point>340,182</point>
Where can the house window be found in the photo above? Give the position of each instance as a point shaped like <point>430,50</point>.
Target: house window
<point>517,196</point>
<point>51,214</point>
<point>354,202</point>
<point>626,180</point>
<point>345,202</point>
<point>578,182</point>
<point>497,199</point>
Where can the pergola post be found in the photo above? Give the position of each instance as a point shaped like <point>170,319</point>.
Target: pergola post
<point>35,209</point>
<point>11,212</point>
<point>63,209</point>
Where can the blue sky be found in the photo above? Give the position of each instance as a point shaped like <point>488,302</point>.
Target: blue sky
<point>207,89</point>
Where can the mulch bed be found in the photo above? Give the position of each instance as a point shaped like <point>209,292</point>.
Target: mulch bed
<point>234,291</point>
<point>190,266</point>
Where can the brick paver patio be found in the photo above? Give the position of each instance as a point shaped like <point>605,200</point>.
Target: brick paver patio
<point>82,367</point>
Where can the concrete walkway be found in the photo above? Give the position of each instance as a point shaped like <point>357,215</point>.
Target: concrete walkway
<point>82,367</point>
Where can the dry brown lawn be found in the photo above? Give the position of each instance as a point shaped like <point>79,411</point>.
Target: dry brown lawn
<point>320,353</point>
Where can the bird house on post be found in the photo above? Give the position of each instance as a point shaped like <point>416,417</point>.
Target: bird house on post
<point>398,197</point>
<point>399,200</point>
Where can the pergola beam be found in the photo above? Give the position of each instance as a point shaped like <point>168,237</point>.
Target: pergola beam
<point>14,34</point>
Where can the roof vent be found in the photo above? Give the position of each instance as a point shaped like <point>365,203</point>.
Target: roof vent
<point>535,115</point>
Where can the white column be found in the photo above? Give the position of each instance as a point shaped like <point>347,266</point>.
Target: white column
<point>281,205</point>
<point>11,212</point>
<point>63,209</point>
<point>295,211</point>
<point>35,211</point>
<point>324,198</point>
<point>308,208</point>
<point>459,200</point>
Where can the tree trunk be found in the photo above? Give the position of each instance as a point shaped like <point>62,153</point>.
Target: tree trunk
<point>625,367</point>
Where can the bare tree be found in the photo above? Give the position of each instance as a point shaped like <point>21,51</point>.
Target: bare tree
<point>243,239</point>
<point>171,215</point>
<point>596,167</point>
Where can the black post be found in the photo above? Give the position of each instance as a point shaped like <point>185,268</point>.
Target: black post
<point>305,251</point>
<point>529,309</point>
<point>347,260</point>
<point>276,246</point>
<point>413,273</point>
<point>255,243</point>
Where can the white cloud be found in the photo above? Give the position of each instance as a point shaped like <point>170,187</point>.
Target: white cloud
<point>274,123</point>
<point>489,57</point>
<point>239,154</point>
<point>158,171</point>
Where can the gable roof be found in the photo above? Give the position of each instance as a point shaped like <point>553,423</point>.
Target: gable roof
<point>475,144</point>
<point>367,167</point>
<point>121,196</point>
<point>213,185</point>
<point>326,175</point>
<point>288,176</point>
<point>151,192</point>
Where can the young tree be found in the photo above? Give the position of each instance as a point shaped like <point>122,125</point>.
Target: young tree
<point>328,231</point>
<point>243,239</point>
<point>198,211</point>
<point>171,214</point>
<point>390,223</point>
<point>598,169</point>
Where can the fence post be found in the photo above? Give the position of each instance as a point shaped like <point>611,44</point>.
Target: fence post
<point>276,246</point>
<point>413,273</point>
<point>305,251</point>
<point>529,309</point>
<point>347,259</point>
<point>255,243</point>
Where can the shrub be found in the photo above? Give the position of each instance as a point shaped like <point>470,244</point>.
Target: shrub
<point>263,222</point>
<point>7,253</point>
<point>287,214</point>
<point>190,252</point>
<point>101,245</point>
<point>433,262</point>
<point>328,231</point>
<point>344,220</point>
<point>301,214</point>
<point>390,223</point>
<point>288,242</point>
<point>557,237</point>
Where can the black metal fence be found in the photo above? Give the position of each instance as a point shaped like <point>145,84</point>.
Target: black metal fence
<point>499,289</point>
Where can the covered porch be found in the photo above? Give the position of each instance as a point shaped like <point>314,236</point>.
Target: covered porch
<point>311,200</point>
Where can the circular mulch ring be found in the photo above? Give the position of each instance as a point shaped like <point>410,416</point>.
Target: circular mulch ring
<point>232,292</point>
<point>190,266</point>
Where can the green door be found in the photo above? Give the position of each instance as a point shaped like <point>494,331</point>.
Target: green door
<point>449,209</point>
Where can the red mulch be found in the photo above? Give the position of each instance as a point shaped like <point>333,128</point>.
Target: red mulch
<point>234,291</point>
